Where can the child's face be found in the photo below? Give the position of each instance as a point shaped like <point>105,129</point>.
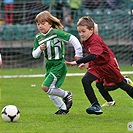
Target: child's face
<point>84,32</point>
<point>43,27</point>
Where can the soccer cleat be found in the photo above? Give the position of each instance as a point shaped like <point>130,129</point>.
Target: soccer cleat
<point>128,80</point>
<point>112,103</point>
<point>68,100</point>
<point>95,109</point>
<point>61,112</point>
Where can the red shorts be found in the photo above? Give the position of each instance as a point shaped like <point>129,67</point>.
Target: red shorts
<point>110,72</point>
<point>105,83</point>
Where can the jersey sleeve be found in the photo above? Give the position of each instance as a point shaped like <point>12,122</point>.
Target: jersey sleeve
<point>77,46</point>
<point>63,35</point>
<point>35,43</point>
<point>36,49</point>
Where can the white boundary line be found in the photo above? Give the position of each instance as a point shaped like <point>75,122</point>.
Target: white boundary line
<point>42,75</point>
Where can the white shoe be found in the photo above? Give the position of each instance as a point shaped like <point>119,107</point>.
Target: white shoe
<point>112,103</point>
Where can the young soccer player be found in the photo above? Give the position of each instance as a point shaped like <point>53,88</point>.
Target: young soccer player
<point>101,84</point>
<point>50,41</point>
<point>103,64</point>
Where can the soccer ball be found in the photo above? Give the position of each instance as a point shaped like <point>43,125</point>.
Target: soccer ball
<point>10,113</point>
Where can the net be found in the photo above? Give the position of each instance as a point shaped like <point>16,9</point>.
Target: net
<point>16,37</point>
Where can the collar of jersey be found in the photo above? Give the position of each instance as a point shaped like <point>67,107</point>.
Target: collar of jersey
<point>47,32</point>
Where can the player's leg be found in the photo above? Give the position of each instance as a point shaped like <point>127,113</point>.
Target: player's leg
<point>105,94</point>
<point>126,87</point>
<point>49,87</point>
<point>86,81</point>
<point>53,80</point>
<point>114,87</point>
<point>66,95</point>
<point>111,88</point>
<point>61,75</point>
<point>128,80</point>
<point>59,104</point>
<point>115,76</point>
<point>119,80</point>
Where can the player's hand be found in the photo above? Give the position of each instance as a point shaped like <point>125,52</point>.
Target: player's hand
<point>43,47</point>
<point>72,63</point>
<point>81,66</point>
<point>132,65</point>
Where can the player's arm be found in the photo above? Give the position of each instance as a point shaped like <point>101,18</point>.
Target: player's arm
<point>77,47</point>
<point>38,49</point>
<point>69,38</point>
<point>36,52</point>
<point>85,59</point>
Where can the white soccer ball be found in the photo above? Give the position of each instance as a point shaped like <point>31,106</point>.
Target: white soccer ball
<point>10,113</point>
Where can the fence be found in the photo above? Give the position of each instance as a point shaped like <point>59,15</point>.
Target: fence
<point>16,39</point>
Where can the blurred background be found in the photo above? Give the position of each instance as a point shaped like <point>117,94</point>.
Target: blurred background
<point>18,28</point>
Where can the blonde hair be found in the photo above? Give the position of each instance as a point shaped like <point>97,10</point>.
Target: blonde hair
<point>86,21</point>
<point>95,28</point>
<point>47,16</point>
<point>89,22</point>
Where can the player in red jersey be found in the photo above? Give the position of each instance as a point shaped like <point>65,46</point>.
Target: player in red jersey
<point>104,64</point>
<point>102,82</point>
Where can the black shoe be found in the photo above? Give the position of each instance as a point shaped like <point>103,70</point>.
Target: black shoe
<point>68,100</point>
<point>61,112</point>
<point>95,109</point>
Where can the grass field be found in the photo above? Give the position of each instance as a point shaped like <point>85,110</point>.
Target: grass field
<point>37,111</point>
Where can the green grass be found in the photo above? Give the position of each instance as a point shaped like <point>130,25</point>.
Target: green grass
<point>20,71</point>
<point>37,111</point>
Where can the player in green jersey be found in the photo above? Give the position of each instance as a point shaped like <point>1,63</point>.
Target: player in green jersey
<point>50,41</point>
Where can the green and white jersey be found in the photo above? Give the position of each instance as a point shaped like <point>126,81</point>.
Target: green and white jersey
<point>54,41</point>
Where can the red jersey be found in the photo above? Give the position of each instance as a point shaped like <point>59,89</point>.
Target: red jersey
<point>104,66</point>
<point>95,45</point>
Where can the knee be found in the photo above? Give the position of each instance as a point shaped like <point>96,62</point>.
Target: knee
<point>99,85</point>
<point>85,80</point>
<point>86,84</point>
<point>45,88</point>
<point>110,88</point>
<point>52,97</point>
